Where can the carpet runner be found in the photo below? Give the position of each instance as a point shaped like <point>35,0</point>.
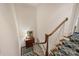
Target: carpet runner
<point>69,48</point>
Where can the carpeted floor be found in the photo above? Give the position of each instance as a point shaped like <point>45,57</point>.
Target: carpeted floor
<point>30,51</point>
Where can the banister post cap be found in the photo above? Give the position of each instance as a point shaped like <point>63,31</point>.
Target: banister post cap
<point>66,18</point>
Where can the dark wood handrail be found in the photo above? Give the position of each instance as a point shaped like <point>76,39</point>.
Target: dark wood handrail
<point>48,35</point>
<point>57,27</point>
<point>40,42</point>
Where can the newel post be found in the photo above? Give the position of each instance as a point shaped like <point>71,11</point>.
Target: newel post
<point>46,38</point>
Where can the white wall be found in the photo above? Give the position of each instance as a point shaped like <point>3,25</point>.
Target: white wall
<point>14,20</point>
<point>76,22</point>
<point>26,19</point>
<point>8,34</point>
<point>49,16</point>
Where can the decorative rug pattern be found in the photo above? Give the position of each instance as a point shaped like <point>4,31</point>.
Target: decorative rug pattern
<point>30,51</point>
<point>69,48</point>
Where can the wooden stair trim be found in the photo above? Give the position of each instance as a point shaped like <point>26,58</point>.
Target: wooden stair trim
<point>55,49</point>
<point>58,45</point>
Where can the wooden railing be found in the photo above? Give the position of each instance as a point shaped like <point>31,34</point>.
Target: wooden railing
<point>49,34</point>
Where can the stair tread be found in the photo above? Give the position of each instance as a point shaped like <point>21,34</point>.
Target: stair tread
<point>69,48</point>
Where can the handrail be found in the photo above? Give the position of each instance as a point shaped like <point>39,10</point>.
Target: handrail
<point>57,27</point>
<point>40,42</point>
<point>52,32</point>
<point>47,35</point>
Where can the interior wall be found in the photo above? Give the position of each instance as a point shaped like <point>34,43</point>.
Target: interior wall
<point>49,16</point>
<point>8,35</point>
<point>41,20</point>
<point>26,20</point>
<point>77,18</point>
<point>77,29</point>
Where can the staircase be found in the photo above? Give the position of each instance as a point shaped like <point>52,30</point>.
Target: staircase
<point>37,50</point>
<point>68,48</point>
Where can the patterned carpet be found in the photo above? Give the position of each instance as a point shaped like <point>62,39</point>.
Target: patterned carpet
<point>27,51</point>
<point>31,51</point>
<point>69,48</point>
